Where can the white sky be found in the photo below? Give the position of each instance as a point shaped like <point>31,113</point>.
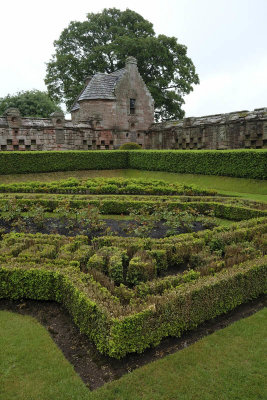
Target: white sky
<point>226,39</point>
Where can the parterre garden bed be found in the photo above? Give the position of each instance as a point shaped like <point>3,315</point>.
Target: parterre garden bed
<point>128,292</point>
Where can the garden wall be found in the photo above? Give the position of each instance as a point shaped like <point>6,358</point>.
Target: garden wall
<point>236,130</point>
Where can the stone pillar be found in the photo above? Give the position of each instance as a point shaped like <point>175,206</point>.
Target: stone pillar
<point>13,117</point>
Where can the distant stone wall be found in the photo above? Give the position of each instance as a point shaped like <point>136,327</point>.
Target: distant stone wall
<point>242,129</point>
<point>53,133</point>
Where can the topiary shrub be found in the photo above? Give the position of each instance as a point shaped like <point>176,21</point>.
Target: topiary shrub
<point>130,146</point>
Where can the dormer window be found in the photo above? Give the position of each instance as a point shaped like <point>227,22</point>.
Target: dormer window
<point>132,106</point>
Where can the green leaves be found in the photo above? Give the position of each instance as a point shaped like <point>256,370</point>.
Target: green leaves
<point>104,41</point>
<point>238,163</point>
<point>32,103</point>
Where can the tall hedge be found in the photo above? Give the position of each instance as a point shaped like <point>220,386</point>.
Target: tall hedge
<point>21,162</point>
<point>237,163</point>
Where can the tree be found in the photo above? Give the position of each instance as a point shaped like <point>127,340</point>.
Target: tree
<point>31,103</point>
<point>102,43</point>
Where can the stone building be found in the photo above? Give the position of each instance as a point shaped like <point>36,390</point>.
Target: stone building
<point>119,101</point>
<point>116,108</point>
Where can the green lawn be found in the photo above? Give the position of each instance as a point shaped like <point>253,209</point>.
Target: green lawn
<point>227,365</point>
<point>31,365</point>
<point>251,189</point>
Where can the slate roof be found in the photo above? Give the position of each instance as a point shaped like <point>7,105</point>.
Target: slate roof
<point>101,86</point>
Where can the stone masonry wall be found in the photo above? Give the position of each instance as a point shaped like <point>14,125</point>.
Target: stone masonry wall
<point>240,129</point>
<point>223,131</point>
<point>133,86</point>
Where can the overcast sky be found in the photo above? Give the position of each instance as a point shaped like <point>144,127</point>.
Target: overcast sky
<point>226,39</point>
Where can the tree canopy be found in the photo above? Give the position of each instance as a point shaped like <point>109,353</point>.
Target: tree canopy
<point>102,43</point>
<point>31,103</point>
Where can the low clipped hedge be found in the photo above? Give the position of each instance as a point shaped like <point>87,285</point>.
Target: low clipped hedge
<point>236,163</point>
<point>156,308</point>
<point>183,308</point>
<point>188,306</point>
<point>107,186</point>
<point>117,207</point>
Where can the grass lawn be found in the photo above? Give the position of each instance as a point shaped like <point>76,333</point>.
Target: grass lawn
<point>31,365</point>
<point>227,365</point>
<point>251,189</point>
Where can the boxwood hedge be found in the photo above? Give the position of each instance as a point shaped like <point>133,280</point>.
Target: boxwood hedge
<point>236,163</point>
<point>183,308</point>
<point>21,162</point>
<point>156,308</point>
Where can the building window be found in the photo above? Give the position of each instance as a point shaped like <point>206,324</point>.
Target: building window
<point>33,142</point>
<point>132,106</point>
<point>21,141</point>
<point>9,141</point>
<point>102,142</point>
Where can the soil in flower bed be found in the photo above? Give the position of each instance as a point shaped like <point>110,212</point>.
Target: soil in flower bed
<point>111,226</point>
<point>96,369</point>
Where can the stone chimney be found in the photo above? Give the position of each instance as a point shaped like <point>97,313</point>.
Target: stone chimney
<point>131,63</point>
<point>87,79</point>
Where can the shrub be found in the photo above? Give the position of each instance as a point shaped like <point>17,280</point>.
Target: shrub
<point>115,266</point>
<point>141,268</point>
<point>130,146</point>
<point>96,261</point>
<point>160,257</point>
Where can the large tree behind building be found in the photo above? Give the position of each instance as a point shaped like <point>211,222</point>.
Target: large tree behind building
<point>31,103</point>
<point>102,43</point>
